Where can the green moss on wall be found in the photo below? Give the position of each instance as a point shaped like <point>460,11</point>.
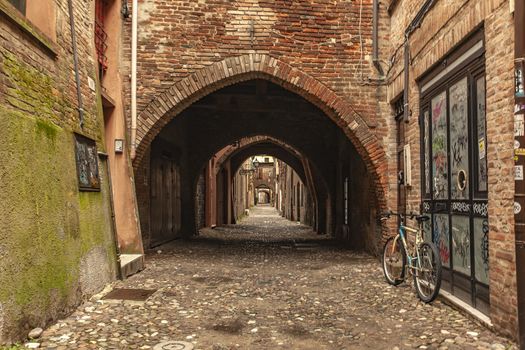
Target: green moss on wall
<point>47,228</point>
<point>47,129</point>
<point>31,90</point>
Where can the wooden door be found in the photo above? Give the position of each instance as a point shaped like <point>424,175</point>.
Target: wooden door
<point>165,211</point>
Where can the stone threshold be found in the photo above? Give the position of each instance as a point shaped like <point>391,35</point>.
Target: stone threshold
<point>463,306</point>
<point>130,264</point>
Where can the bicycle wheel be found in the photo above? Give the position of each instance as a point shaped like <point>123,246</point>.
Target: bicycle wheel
<point>427,276</point>
<point>394,261</point>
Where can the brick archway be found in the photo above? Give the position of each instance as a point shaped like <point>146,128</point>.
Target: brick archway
<point>250,141</point>
<point>232,70</point>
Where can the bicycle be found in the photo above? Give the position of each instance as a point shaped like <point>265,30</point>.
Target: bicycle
<point>424,261</point>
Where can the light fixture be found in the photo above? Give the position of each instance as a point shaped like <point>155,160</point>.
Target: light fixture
<point>119,145</point>
<point>124,9</point>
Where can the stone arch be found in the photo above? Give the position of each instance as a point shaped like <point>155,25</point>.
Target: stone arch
<point>232,70</point>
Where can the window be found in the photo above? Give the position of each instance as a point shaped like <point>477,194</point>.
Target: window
<point>20,5</point>
<point>41,14</point>
<point>454,170</point>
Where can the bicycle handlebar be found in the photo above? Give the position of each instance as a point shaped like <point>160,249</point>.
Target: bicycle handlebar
<point>388,214</point>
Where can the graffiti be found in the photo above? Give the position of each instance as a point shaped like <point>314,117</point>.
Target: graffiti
<point>481,249</point>
<point>458,149</point>
<point>459,139</point>
<point>439,147</point>
<point>427,231</point>
<point>441,237</point>
<point>482,139</point>
<point>485,245</point>
<point>437,107</point>
<point>461,207</point>
<point>480,209</point>
<point>461,243</point>
<point>440,188</point>
<point>426,207</point>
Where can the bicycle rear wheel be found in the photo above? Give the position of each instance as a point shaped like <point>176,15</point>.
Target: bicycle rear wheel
<point>394,261</point>
<point>427,275</point>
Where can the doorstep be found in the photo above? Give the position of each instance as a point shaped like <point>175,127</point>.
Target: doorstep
<point>130,264</point>
<point>460,304</point>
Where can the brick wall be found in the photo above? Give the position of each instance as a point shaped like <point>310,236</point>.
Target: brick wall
<point>445,26</point>
<point>320,49</point>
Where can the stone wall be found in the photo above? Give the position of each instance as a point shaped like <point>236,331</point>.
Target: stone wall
<point>57,245</point>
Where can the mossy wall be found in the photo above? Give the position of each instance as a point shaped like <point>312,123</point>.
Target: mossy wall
<point>47,228</point>
<point>56,243</point>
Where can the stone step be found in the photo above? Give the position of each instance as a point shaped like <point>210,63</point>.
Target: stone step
<point>130,264</point>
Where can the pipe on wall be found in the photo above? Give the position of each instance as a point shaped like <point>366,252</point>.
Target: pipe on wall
<point>134,27</point>
<point>415,24</point>
<point>375,37</point>
<point>80,106</point>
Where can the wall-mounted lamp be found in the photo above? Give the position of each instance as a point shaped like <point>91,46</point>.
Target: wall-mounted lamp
<point>119,145</point>
<point>124,9</point>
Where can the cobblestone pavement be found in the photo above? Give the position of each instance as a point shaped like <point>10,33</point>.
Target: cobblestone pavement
<point>267,283</point>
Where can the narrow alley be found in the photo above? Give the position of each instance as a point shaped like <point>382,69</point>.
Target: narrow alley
<point>266,283</point>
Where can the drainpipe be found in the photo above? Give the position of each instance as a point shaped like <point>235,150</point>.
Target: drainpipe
<point>415,24</point>
<point>375,38</point>
<point>519,196</point>
<point>134,20</point>
<point>406,66</point>
<point>80,107</point>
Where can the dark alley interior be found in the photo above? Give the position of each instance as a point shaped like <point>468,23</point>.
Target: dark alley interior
<point>215,135</point>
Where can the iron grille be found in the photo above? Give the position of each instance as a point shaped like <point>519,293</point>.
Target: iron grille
<point>101,36</point>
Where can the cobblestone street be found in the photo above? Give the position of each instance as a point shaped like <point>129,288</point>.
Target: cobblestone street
<point>267,283</point>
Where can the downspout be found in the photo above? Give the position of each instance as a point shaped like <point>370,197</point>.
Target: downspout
<point>80,107</point>
<point>375,38</point>
<point>134,20</point>
<point>415,24</point>
<point>406,78</point>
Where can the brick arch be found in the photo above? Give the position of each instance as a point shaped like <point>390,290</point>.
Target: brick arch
<point>232,70</point>
<point>250,141</point>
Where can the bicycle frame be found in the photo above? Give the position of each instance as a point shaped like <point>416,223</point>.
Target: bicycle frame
<point>414,255</point>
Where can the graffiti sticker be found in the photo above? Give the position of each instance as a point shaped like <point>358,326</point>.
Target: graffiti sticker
<point>518,172</point>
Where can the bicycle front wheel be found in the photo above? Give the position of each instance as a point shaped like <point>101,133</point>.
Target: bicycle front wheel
<point>427,275</point>
<point>394,261</point>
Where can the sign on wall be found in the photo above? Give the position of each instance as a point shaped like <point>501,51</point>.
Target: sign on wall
<point>87,163</point>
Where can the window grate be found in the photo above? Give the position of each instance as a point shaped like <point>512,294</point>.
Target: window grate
<point>101,36</point>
